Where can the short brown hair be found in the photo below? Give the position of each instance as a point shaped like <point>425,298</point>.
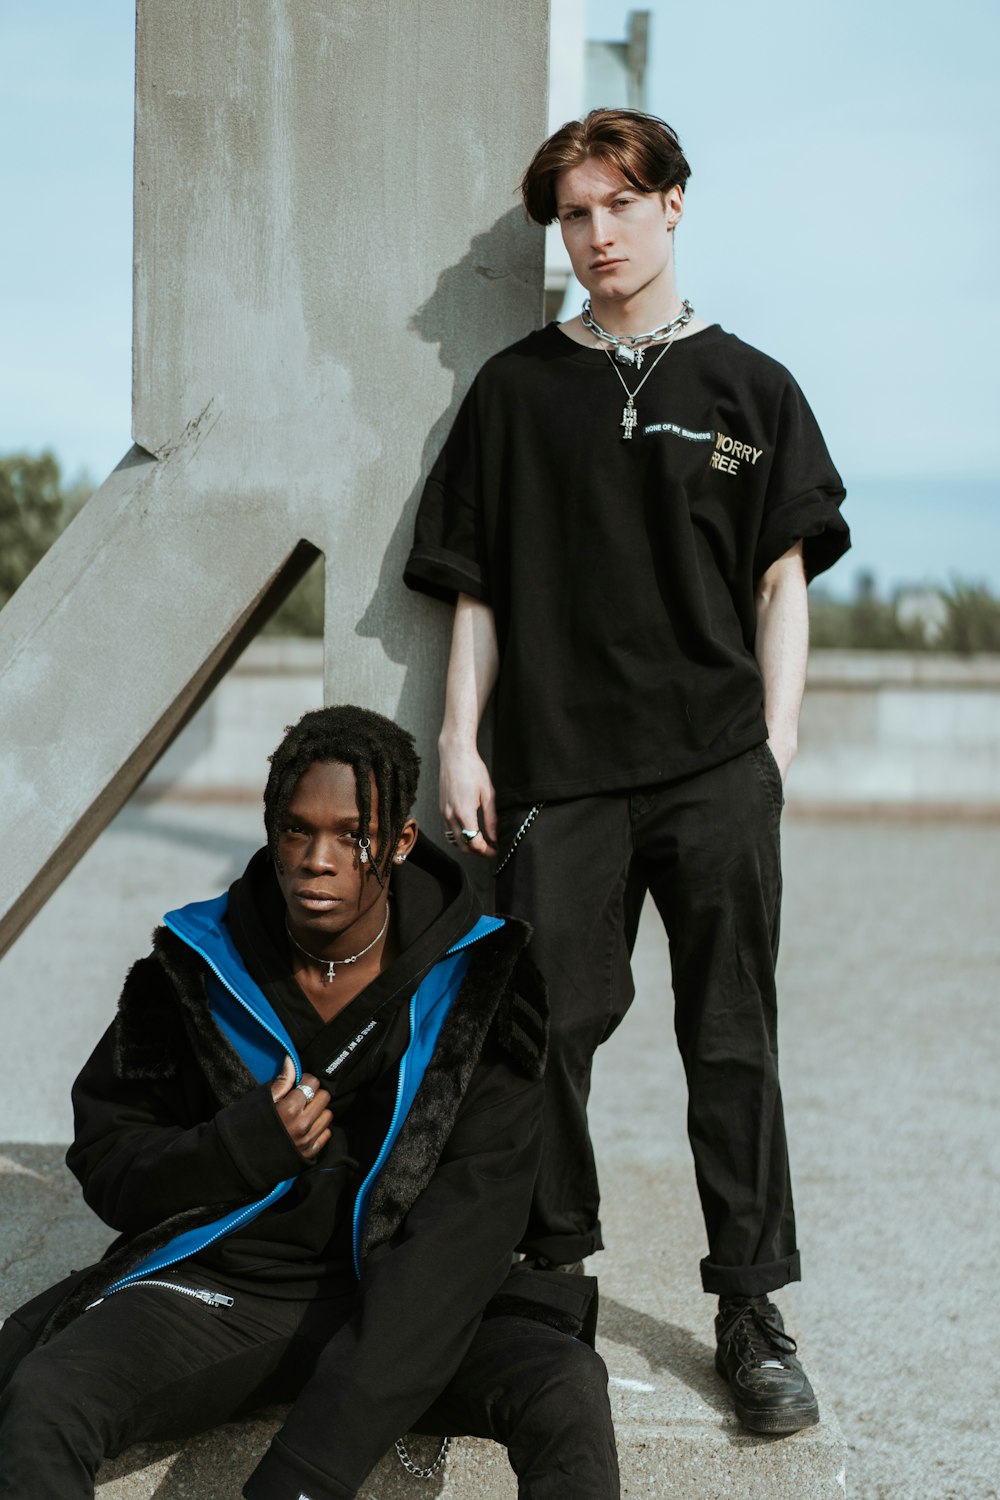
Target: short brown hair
<point>644,148</point>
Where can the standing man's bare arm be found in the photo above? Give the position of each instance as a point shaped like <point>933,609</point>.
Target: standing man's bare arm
<point>782,650</point>
<point>466,786</point>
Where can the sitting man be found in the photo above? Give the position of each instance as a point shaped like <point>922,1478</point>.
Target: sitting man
<point>315,1122</point>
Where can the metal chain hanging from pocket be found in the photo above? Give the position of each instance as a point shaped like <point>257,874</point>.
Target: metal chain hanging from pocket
<point>519,835</point>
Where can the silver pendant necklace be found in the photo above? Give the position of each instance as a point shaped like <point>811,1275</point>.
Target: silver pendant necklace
<point>629,414</point>
<point>328,963</point>
<point>630,347</point>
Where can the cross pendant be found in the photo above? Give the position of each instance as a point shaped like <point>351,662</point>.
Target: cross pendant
<point>330,974</point>
<point>629,418</point>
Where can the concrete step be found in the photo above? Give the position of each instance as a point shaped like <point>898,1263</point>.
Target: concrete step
<point>664,1455</point>
<point>666,1460</point>
<point>215,1466</point>
<point>677,1436</point>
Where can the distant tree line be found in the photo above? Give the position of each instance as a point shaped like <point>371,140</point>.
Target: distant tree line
<point>962,618</point>
<point>36,504</point>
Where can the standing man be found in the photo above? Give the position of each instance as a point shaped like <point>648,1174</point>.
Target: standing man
<point>627,512</point>
<point>315,1124</point>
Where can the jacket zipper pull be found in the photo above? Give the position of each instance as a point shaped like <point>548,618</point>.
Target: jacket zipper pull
<point>216,1299</point>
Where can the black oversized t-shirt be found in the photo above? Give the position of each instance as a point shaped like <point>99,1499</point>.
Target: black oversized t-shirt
<point>621,573</point>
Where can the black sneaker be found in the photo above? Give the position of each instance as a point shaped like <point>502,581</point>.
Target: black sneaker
<point>757,1357</point>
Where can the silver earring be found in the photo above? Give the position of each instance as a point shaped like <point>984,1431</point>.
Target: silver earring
<point>364,845</point>
<point>399,859</point>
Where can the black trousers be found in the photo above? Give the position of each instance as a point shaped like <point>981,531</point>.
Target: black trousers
<point>707,850</point>
<point>151,1363</point>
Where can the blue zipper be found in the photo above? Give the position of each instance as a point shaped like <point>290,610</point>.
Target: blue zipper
<point>250,1212</point>
<point>477,933</point>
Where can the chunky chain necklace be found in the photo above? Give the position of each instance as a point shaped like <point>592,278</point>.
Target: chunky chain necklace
<point>629,347</point>
<point>629,414</point>
<point>328,963</point>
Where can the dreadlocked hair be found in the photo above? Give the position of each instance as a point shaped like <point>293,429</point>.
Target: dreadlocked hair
<point>367,742</point>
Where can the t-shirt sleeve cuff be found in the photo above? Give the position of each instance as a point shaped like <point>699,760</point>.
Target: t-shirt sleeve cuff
<point>443,574</point>
<point>815,520</point>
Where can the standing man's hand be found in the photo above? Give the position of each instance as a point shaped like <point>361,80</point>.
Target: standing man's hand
<point>307,1120</point>
<point>783,753</point>
<point>468,803</point>
<point>467,799</point>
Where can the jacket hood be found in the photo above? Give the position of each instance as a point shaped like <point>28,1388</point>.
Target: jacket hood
<point>433,906</point>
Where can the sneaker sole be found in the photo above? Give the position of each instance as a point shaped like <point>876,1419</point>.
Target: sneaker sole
<point>787,1419</point>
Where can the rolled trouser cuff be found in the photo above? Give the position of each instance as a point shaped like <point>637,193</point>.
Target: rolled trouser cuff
<point>750,1281</point>
<point>282,1475</point>
<point>562,1249</point>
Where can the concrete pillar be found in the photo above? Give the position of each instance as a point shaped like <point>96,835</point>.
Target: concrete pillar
<point>327,246</point>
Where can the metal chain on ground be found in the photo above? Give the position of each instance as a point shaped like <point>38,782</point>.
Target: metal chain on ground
<point>415,1469</point>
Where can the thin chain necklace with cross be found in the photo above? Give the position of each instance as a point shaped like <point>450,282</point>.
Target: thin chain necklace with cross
<point>629,414</point>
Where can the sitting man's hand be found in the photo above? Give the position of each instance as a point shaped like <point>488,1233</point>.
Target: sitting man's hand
<point>307,1119</point>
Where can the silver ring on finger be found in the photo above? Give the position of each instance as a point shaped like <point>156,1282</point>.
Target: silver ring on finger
<point>309,1092</point>
<point>469,834</point>
<point>450,835</point>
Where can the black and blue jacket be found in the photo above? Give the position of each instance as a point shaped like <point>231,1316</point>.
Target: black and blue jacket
<point>178,1144</point>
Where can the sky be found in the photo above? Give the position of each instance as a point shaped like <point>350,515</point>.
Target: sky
<point>66,112</point>
<point>842,215</point>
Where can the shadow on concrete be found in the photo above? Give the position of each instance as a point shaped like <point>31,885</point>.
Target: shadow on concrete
<point>233,848</point>
<point>690,1360</point>
<point>452,318</point>
<point>408,625</point>
<point>666,1346</point>
<point>218,1463</point>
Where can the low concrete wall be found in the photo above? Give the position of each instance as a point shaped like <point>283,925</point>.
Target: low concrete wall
<point>899,732</point>
<point>879,731</point>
